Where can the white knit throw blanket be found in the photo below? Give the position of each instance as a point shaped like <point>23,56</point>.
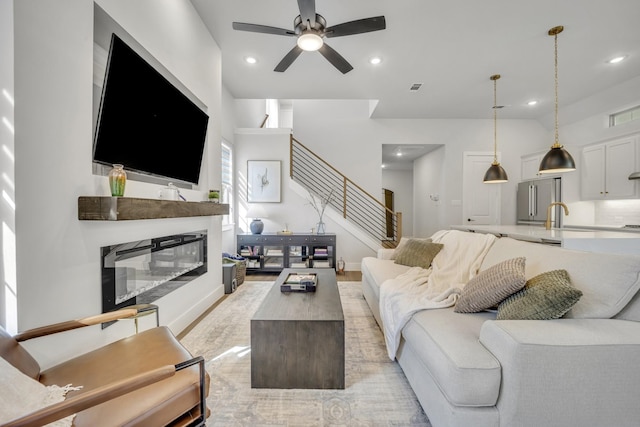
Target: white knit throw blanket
<point>437,287</point>
<point>20,395</point>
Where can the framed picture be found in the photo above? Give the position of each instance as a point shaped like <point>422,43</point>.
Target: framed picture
<point>263,181</point>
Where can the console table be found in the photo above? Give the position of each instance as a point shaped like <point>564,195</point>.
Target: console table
<point>272,252</point>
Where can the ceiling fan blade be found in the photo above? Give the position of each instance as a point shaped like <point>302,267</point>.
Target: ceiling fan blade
<point>255,28</point>
<point>335,58</point>
<point>288,59</point>
<point>307,11</point>
<point>357,27</point>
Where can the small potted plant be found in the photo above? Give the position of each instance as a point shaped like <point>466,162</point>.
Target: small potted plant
<point>214,196</point>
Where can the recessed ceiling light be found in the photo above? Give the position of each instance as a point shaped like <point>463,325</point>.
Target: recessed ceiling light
<point>250,59</point>
<point>383,166</point>
<point>399,154</point>
<point>616,59</point>
<point>532,103</point>
<point>375,60</point>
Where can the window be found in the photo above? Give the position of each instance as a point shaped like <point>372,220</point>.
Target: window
<point>272,113</point>
<point>625,116</point>
<point>226,193</point>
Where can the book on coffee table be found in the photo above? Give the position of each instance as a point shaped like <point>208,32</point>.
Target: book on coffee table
<point>301,282</point>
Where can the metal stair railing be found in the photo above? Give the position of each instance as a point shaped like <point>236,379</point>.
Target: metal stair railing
<point>355,204</point>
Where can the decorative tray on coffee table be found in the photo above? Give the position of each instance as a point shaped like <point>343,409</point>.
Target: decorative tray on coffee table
<point>300,282</point>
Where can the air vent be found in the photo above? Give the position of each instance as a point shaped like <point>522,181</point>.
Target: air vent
<point>416,86</point>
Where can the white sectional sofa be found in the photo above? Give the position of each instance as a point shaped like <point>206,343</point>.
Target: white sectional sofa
<point>473,370</point>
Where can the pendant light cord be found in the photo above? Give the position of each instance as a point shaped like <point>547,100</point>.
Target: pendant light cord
<point>495,78</point>
<point>495,122</point>
<point>554,32</point>
<point>556,86</point>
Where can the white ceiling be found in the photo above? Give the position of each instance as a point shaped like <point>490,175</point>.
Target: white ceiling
<point>451,47</point>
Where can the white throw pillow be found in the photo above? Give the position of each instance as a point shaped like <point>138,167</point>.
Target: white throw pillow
<point>22,394</point>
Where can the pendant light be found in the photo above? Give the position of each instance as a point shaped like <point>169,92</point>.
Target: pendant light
<point>557,159</point>
<point>495,174</point>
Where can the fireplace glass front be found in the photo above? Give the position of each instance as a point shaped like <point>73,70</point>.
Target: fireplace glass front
<point>140,272</point>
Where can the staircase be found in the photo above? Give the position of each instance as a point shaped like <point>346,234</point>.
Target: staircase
<point>360,209</point>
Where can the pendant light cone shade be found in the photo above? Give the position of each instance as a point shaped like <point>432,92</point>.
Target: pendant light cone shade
<point>496,173</point>
<point>557,160</point>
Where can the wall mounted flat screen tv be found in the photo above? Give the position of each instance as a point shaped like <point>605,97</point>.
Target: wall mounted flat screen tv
<point>145,122</point>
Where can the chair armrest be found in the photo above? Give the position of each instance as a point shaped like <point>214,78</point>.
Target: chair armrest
<point>385,253</point>
<point>107,392</point>
<point>75,324</point>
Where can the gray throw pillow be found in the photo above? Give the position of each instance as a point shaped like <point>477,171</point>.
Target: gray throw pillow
<point>546,296</point>
<point>417,253</point>
<point>491,286</point>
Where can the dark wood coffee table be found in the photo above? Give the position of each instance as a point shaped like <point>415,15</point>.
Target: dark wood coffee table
<point>297,338</point>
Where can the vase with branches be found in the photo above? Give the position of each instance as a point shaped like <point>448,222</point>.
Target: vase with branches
<point>319,203</point>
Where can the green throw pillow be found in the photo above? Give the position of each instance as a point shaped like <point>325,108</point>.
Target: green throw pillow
<point>546,296</point>
<point>491,286</point>
<point>417,253</point>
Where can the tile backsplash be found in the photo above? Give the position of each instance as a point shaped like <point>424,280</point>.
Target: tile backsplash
<point>617,212</point>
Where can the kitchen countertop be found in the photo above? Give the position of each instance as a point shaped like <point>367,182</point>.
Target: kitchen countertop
<point>591,240</point>
<point>603,227</point>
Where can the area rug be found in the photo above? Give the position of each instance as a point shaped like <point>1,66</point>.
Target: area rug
<point>376,391</point>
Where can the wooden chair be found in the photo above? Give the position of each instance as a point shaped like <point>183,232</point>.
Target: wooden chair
<point>147,379</point>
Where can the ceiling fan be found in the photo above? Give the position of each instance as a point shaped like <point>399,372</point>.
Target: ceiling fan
<point>311,28</point>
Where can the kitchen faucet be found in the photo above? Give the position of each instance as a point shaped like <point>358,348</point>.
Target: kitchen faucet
<point>547,223</point>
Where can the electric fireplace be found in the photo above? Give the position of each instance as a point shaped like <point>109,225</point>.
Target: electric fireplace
<point>143,271</point>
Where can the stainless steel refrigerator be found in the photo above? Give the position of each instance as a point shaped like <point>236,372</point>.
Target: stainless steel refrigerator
<point>535,196</point>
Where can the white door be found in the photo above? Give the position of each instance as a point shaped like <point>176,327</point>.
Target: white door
<point>480,201</point>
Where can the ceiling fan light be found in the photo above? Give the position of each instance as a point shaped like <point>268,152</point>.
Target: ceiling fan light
<point>310,42</point>
<point>495,174</point>
<point>557,160</point>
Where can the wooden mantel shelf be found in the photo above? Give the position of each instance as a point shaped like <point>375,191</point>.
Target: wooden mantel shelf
<point>106,208</point>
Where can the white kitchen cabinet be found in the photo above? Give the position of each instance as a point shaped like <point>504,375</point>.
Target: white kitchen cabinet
<point>530,164</point>
<point>606,168</point>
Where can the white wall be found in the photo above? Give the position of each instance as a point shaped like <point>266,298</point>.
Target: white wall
<point>428,175</point>
<point>294,209</point>
<point>401,183</point>
<point>341,132</point>
<point>8,314</point>
<point>228,125</point>
<point>58,257</point>
<point>250,113</point>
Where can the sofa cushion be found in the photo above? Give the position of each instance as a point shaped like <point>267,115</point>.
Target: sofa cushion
<point>491,286</point>
<point>417,253</point>
<point>378,270</point>
<point>447,343</point>
<point>546,296</point>
<point>607,281</point>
